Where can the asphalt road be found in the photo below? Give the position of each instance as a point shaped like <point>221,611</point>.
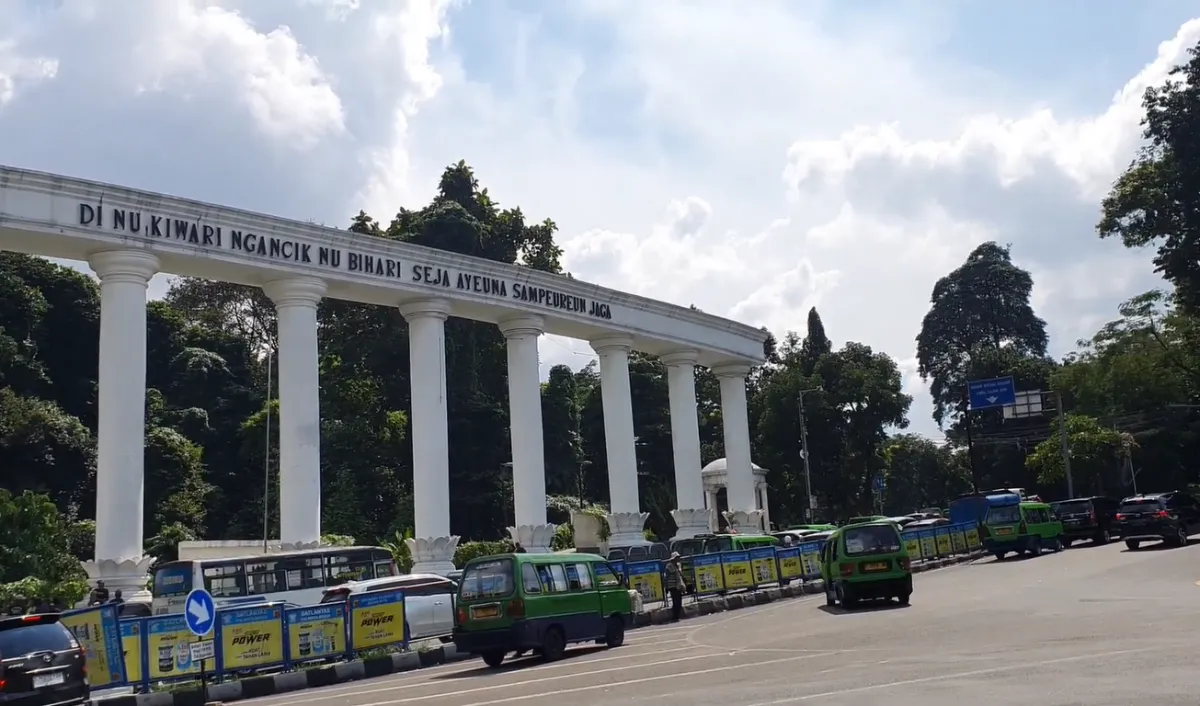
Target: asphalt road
<point>1092,625</point>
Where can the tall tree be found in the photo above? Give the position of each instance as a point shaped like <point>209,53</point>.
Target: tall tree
<point>816,343</point>
<point>981,307</point>
<point>1156,201</point>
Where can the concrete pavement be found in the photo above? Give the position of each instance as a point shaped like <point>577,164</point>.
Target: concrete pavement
<point>1092,625</point>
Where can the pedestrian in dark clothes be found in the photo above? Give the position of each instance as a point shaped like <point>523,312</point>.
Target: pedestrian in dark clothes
<point>675,586</point>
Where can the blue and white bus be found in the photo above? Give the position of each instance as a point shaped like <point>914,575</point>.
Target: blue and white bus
<point>299,577</point>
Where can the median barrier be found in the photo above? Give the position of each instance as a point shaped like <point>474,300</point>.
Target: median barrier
<point>295,639</point>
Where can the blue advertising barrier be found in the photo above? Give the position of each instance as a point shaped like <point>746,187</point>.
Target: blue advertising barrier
<point>646,577</point>
<point>99,631</point>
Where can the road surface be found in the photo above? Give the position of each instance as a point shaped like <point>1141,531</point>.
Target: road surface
<point>1092,625</point>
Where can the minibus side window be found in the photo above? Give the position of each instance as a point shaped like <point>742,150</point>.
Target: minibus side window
<point>606,577</point>
<point>529,579</point>
<point>584,577</point>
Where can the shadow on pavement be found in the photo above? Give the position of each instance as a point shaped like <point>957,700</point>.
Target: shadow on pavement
<point>1156,546</point>
<point>513,664</point>
<point>868,607</point>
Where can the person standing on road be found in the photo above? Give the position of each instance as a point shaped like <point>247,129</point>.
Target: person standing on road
<point>675,586</point>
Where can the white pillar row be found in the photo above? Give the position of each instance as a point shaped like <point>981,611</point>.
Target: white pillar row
<point>525,428</point>
<point>690,514</point>
<point>739,476</point>
<point>433,548</point>
<point>296,301</point>
<point>625,519</point>
<point>121,422</point>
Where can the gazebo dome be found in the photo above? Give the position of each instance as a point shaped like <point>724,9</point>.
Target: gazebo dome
<point>719,467</point>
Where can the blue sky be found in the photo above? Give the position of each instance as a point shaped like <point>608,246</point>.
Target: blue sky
<point>753,159</point>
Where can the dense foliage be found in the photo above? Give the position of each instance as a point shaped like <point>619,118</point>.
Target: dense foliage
<point>1131,391</point>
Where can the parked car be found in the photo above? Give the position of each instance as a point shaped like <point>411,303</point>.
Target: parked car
<point>41,662</point>
<point>1167,517</point>
<point>1087,519</point>
<point>927,524</point>
<point>428,602</point>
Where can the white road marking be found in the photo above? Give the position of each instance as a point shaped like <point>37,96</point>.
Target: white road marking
<point>957,675</point>
<point>609,685</point>
<point>414,682</point>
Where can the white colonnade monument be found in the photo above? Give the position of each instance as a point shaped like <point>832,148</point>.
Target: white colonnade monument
<point>128,236</point>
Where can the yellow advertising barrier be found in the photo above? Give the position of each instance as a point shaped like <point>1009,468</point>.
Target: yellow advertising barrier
<point>377,619</point>
<point>810,559</point>
<point>762,566</point>
<point>928,544</point>
<point>645,577</point>
<point>316,632</point>
<point>709,577</point>
<point>97,629</point>
<point>972,537</point>
<point>958,539</point>
<point>943,542</point>
<point>131,644</point>
<point>735,566</point>
<point>250,637</point>
<point>790,566</point>
<point>168,655</point>
<point>912,544</point>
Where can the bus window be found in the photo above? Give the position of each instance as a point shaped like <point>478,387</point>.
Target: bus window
<point>348,566</point>
<point>385,568</point>
<point>225,579</point>
<point>264,578</point>
<point>173,579</point>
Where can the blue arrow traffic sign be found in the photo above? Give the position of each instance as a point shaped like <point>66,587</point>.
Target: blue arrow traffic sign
<point>997,392</point>
<point>880,483</point>
<point>199,612</point>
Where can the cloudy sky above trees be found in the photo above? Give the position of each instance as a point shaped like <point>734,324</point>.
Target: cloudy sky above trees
<point>753,159</point>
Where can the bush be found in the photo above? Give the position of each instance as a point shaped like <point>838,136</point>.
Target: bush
<point>564,538</point>
<point>470,550</point>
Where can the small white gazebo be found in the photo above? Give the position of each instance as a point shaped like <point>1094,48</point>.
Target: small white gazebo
<point>714,477</point>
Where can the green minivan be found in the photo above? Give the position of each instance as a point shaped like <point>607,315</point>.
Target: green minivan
<point>1022,526</point>
<point>866,562</point>
<point>540,603</point>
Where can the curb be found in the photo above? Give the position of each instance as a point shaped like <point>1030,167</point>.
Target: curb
<point>274,684</point>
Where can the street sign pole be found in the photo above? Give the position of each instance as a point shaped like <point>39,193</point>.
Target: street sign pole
<point>970,448</point>
<point>985,394</point>
<point>200,615</point>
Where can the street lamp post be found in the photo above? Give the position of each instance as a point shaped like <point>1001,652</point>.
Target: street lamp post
<point>808,507</point>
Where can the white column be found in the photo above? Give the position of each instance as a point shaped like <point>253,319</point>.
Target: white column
<point>625,519</point>
<point>433,548</point>
<point>525,427</point>
<point>691,517</point>
<point>296,300</point>
<point>121,421</point>
<point>739,476</point>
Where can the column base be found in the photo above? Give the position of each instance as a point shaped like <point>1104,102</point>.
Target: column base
<point>536,539</point>
<point>432,555</point>
<point>689,523</point>
<point>298,546</point>
<point>744,521</point>
<point>130,576</point>
<point>625,529</point>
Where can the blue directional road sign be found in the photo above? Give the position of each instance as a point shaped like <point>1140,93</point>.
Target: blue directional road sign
<point>199,612</point>
<point>997,392</point>
<point>880,483</point>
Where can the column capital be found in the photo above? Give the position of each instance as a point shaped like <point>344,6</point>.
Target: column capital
<point>133,266</point>
<point>296,291</point>
<point>425,309</point>
<point>731,370</point>
<point>683,358</point>
<point>616,342</point>
<point>521,326</point>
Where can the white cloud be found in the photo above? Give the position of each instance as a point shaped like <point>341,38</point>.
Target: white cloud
<point>654,134</point>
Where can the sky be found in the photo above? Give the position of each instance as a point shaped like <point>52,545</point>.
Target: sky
<point>754,159</point>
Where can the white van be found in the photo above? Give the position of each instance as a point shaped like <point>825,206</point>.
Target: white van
<point>428,601</point>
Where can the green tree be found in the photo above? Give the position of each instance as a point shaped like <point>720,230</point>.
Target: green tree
<point>1155,201</point>
<point>920,473</point>
<point>35,558</point>
<point>981,307</point>
<point>1095,453</point>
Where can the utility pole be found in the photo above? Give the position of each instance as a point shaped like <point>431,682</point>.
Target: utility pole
<point>808,507</point>
<point>1064,443</point>
<point>970,444</point>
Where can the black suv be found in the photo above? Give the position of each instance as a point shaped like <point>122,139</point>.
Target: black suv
<point>1087,519</point>
<point>1169,517</point>
<point>41,663</point>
